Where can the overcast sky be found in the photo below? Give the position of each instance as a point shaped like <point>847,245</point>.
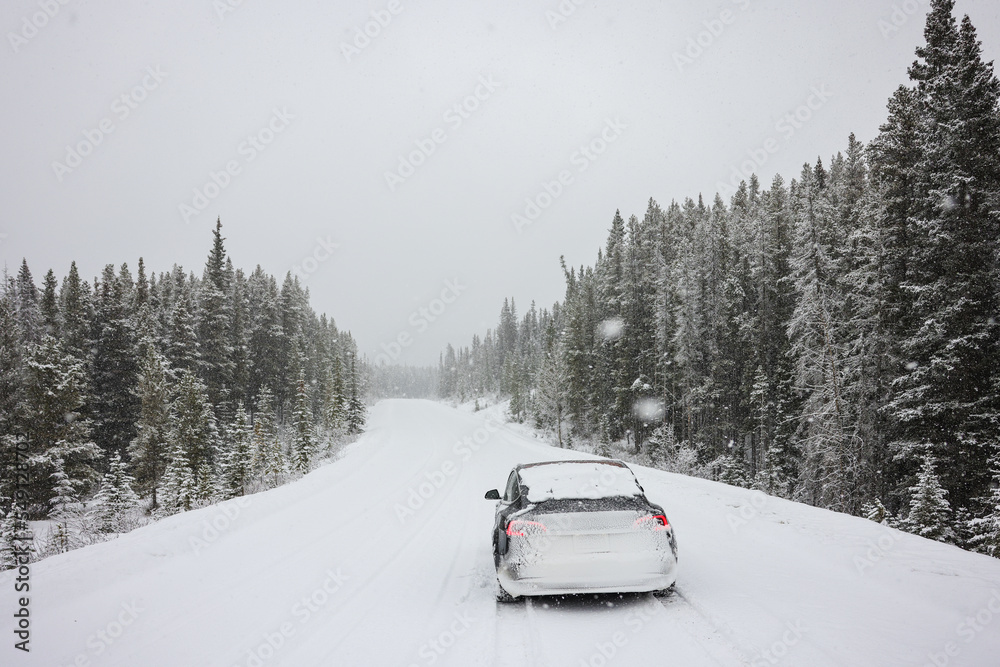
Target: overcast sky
<point>309,118</point>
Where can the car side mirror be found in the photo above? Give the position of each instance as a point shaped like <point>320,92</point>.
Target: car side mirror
<point>492,494</point>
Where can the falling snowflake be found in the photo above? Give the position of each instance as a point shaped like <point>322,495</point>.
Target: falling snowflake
<point>611,329</point>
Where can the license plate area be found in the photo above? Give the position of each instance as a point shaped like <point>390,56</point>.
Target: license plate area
<point>589,544</point>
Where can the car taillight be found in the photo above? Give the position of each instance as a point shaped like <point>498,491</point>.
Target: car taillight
<point>655,521</point>
<point>521,528</point>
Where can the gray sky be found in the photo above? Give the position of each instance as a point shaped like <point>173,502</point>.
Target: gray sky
<point>309,118</point>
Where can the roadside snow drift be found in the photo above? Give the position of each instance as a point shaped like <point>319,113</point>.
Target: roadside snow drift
<point>383,558</point>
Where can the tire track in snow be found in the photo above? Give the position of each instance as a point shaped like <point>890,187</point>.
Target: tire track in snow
<point>415,531</point>
<point>712,635</point>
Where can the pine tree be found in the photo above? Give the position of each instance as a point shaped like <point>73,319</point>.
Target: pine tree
<point>194,441</point>
<point>66,511</point>
<point>115,367</point>
<point>304,444</point>
<point>334,400</point>
<point>49,305</point>
<point>75,311</point>
<point>26,307</point>
<point>830,465</point>
<point>268,458</point>
<point>265,335</point>
<point>985,529</point>
<point>239,337</point>
<point>946,396</point>
<point>116,503</point>
<point>215,322</point>
<point>730,471</point>
<point>11,392</point>
<point>356,411</point>
<point>150,446</point>
<point>178,490</point>
<point>54,388</point>
<point>553,385</point>
<point>930,512</point>
<point>237,470</point>
<point>182,342</point>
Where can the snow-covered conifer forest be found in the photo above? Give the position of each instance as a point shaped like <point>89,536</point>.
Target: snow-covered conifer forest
<point>833,339</point>
<point>138,395</point>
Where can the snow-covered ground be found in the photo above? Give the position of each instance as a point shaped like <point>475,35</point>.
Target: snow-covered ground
<point>383,558</point>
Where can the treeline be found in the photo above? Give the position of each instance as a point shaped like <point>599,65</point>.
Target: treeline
<point>395,381</point>
<point>834,339</point>
<point>174,388</point>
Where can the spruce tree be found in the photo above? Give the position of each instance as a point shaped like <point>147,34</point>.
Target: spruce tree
<point>356,411</point>
<point>11,393</point>
<point>55,386</point>
<point>830,465</point>
<point>49,305</point>
<point>985,529</point>
<point>66,512</point>
<point>193,440</point>
<point>115,370</point>
<point>930,511</point>
<point>150,446</point>
<point>215,322</point>
<point>304,444</point>
<point>182,342</point>
<point>237,467</point>
<point>26,309</point>
<point>76,316</point>
<point>116,503</point>
<point>553,384</point>
<point>945,397</point>
<point>268,459</point>
<point>178,491</point>
<point>335,399</point>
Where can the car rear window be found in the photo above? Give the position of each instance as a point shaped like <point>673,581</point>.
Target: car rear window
<point>555,481</point>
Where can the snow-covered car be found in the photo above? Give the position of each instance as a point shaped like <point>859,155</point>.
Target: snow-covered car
<point>566,527</point>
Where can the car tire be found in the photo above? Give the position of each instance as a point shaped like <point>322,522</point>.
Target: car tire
<point>664,592</point>
<point>502,595</point>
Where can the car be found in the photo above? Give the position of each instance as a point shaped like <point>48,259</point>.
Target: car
<point>572,527</point>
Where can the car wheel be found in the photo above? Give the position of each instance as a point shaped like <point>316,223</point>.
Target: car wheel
<point>503,595</point>
<point>664,592</point>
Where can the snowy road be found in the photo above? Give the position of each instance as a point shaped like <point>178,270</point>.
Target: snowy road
<point>383,558</point>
